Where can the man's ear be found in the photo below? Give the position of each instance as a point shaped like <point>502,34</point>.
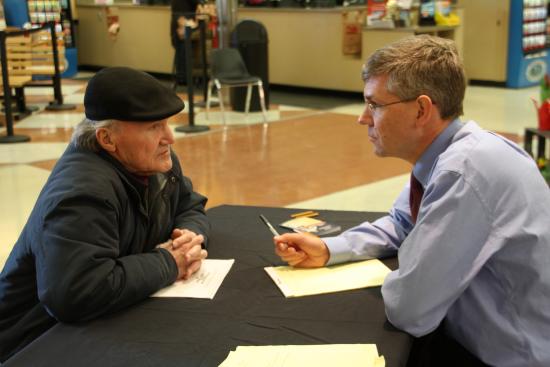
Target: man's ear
<point>425,109</point>
<point>104,138</point>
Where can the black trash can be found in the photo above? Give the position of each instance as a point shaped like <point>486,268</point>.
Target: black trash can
<point>250,38</point>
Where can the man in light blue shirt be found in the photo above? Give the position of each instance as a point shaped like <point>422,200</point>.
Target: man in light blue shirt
<point>474,255</point>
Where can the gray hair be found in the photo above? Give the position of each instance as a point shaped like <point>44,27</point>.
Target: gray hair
<point>84,133</point>
<point>422,65</point>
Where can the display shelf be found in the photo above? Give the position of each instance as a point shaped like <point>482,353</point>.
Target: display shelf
<point>528,56</point>
<point>58,11</point>
<point>534,26</point>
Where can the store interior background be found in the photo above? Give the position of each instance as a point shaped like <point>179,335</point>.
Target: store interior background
<point>311,154</point>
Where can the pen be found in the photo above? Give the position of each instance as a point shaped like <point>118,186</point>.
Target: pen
<point>273,230</point>
<point>309,213</point>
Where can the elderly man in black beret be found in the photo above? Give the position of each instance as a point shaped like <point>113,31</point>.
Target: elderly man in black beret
<point>116,220</point>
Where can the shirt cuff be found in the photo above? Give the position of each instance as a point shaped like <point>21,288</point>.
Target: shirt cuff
<point>338,249</point>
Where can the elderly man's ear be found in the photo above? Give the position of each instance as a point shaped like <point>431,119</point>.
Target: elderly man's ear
<point>104,138</point>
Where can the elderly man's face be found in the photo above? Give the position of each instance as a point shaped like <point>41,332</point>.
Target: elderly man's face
<point>143,147</point>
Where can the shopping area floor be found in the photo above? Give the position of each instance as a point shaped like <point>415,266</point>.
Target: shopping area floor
<point>311,153</point>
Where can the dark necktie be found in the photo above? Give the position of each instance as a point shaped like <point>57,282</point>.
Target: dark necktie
<point>415,197</point>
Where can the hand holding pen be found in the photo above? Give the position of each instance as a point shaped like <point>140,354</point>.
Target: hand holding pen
<point>271,228</point>
<point>297,249</point>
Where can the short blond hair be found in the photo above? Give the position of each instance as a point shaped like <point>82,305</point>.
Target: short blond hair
<point>422,65</point>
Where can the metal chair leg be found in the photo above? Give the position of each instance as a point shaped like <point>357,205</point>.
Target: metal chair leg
<point>262,100</point>
<point>208,99</point>
<point>220,99</point>
<point>247,103</point>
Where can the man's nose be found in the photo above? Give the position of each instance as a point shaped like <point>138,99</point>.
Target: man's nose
<point>365,118</point>
<point>168,137</point>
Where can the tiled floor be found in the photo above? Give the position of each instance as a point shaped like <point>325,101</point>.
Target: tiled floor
<point>311,154</point>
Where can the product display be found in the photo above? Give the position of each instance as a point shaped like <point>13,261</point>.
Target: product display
<point>61,13</point>
<point>2,19</point>
<point>444,14</point>
<point>427,12</point>
<point>58,11</point>
<point>534,25</point>
<point>528,55</point>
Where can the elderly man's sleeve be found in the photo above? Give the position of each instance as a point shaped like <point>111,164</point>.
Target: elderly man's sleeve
<point>80,273</point>
<point>190,212</point>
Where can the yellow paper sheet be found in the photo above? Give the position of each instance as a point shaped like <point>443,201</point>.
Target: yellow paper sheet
<point>294,282</point>
<point>329,355</point>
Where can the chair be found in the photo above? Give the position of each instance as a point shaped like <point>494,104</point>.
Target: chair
<point>228,70</point>
<point>24,54</point>
<point>15,50</point>
<point>48,62</point>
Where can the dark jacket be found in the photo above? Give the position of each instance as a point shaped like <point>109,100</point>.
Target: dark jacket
<point>88,247</point>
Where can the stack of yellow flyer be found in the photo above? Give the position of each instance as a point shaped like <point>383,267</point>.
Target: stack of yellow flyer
<point>329,355</point>
<point>295,282</point>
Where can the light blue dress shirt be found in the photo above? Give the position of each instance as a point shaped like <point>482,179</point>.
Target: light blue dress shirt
<point>478,258</point>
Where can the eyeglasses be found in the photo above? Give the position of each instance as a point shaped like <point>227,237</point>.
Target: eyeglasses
<point>373,106</point>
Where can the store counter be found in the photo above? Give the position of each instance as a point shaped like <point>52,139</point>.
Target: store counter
<point>305,44</point>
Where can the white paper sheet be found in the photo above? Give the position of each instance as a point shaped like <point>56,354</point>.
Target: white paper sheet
<point>203,284</point>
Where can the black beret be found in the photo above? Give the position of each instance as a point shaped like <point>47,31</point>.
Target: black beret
<point>121,93</point>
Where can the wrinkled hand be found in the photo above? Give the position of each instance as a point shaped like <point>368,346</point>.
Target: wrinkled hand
<point>186,248</point>
<point>301,250</point>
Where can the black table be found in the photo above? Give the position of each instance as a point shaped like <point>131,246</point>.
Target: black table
<point>247,310</point>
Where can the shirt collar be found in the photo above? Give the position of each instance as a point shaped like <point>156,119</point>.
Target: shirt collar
<point>423,166</point>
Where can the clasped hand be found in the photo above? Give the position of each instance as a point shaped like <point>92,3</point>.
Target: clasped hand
<point>185,247</point>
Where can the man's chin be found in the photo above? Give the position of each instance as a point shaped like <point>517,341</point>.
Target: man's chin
<point>379,152</point>
<point>167,166</point>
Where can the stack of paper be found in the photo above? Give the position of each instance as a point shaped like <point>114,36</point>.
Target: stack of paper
<point>311,225</point>
<point>330,355</point>
<point>203,284</point>
<point>294,282</point>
